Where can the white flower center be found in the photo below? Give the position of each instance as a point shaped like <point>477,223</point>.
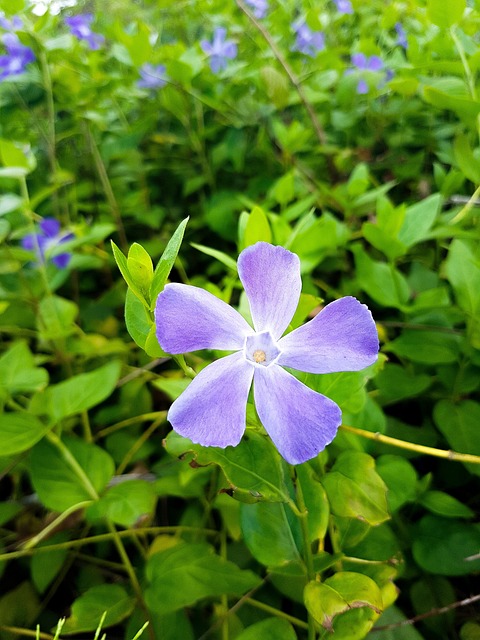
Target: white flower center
<point>261,349</point>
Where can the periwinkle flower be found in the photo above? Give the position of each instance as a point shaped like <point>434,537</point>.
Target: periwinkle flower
<point>259,7</point>
<point>10,25</point>
<point>401,35</point>
<point>45,242</point>
<point>344,6</point>
<point>80,28</point>
<point>152,76</point>
<point>367,64</point>
<point>212,410</point>
<point>220,50</point>
<point>16,58</point>
<point>307,41</point>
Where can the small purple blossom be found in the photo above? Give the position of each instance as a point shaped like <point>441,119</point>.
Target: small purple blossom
<point>212,410</point>
<point>367,64</point>
<point>80,28</point>
<point>152,76</point>
<point>308,42</point>
<point>10,25</point>
<point>344,6</point>
<point>401,35</point>
<point>44,243</point>
<point>16,58</point>
<point>260,7</point>
<point>220,50</point>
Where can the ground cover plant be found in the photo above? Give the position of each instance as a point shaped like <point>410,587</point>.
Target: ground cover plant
<point>198,194</point>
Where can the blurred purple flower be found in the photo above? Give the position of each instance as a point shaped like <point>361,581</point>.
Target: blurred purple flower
<point>152,76</point>
<point>212,410</point>
<point>10,25</point>
<point>260,7</point>
<point>80,28</point>
<point>401,35</point>
<point>308,42</point>
<point>219,50</point>
<point>46,240</point>
<point>16,58</point>
<point>364,63</point>
<point>344,6</point>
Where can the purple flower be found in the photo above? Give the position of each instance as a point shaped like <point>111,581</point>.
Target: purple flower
<point>80,28</point>
<point>401,35</point>
<point>45,242</point>
<point>212,410</point>
<point>308,42</point>
<point>260,7</point>
<point>344,6</point>
<point>367,64</point>
<point>152,76</point>
<point>10,25</point>
<point>219,50</point>
<point>16,58</point>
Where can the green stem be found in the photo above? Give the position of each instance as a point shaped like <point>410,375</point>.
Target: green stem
<point>411,446</point>
<point>73,464</point>
<point>188,371</point>
<point>32,542</point>
<point>276,612</point>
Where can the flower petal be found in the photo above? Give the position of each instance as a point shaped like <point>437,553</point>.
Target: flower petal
<point>301,422</point>
<point>271,279</point>
<point>50,227</point>
<point>212,410</point>
<point>189,318</point>
<point>342,337</point>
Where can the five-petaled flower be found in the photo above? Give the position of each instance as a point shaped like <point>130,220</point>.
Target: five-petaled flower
<point>367,64</point>
<point>259,7</point>
<point>45,242</point>
<point>16,58</point>
<point>220,50</point>
<point>212,410</point>
<point>80,28</point>
<point>344,6</point>
<point>152,76</point>
<point>307,41</point>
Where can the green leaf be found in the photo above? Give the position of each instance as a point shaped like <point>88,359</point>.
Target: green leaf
<point>355,490</point>
<point>20,431</point>
<point>137,319</point>
<point>400,630</point>
<point>459,424</point>
<point>56,482</point>
<point>125,503</point>
<point>269,629</point>
<point>383,282</point>
<point>419,219</point>
<point>316,501</point>
<point>426,347</point>
<point>18,373</point>
<point>276,86</point>
<point>140,268</point>
<point>88,609</point>
<point>273,522</point>
<point>218,255</point>
<point>152,346</point>
<point>257,228</point>
<point>395,383</point>
<point>253,469</point>
<point>13,156</point>
<point>122,264</point>
<point>339,594</point>
<point>166,262</point>
<point>45,566</point>
<point>465,159</point>
<point>445,14</point>
<point>442,504</point>
<point>444,547</point>
<point>181,575</point>
<point>400,478</point>
<point>10,202</point>
<point>78,393</point>
<point>56,317</point>
<point>464,106</point>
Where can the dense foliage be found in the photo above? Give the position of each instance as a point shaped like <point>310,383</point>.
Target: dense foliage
<point>347,133</point>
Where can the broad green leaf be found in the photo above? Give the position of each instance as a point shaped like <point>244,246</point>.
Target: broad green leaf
<point>426,347</point>
<point>400,478</point>
<point>465,159</point>
<point>13,156</point>
<point>45,566</point>
<point>125,503</point>
<point>20,431</point>
<point>269,629</point>
<point>57,483</point>
<point>10,202</point>
<point>273,522</point>
<point>78,393</point>
<point>253,469</point>
<point>464,106</point>
<point>137,319</point>
<point>166,262</point>
<point>316,501</point>
<point>340,594</point>
<point>447,547</point>
<point>443,504</point>
<point>355,490</point>
<point>257,228</point>
<point>276,85</point>
<point>419,219</point>
<point>140,268</point>
<point>380,239</point>
<point>88,609</point>
<point>56,317</point>
<point>445,14</point>
<point>122,264</point>
<point>383,282</point>
<point>19,607</point>
<point>152,346</point>
<point>283,190</point>
<point>18,373</point>
<point>181,575</point>
<point>459,424</point>
<point>396,383</point>
<point>218,255</point>
<point>291,578</point>
<point>400,630</point>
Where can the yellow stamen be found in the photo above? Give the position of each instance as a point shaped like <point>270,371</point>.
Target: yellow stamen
<point>259,355</point>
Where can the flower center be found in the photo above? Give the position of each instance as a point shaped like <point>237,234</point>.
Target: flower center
<point>261,349</point>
